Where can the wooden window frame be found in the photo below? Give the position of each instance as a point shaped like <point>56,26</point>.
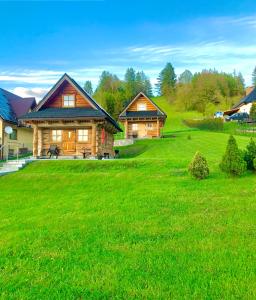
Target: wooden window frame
<point>68,95</point>
<point>56,135</point>
<point>144,105</point>
<point>137,127</point>
<point>83,135</point>
<point>149,127</point>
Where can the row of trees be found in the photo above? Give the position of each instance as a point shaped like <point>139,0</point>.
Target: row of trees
<point>113,94</point>
<point>205,91</point>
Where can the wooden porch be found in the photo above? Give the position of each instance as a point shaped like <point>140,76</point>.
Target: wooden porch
<point>73,138</point>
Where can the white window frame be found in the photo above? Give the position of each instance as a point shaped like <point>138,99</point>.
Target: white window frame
<point>68,100</point>
<point>142,106</point>
<point>135,126</point>
<point>83,135</point>
<point>57,135</point>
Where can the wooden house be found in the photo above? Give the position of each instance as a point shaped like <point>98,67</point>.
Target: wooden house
<point>68,118</point>
<point>142,118</point>
<point>20,140</point>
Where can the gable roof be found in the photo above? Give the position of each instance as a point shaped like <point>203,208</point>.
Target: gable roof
<point>13,106</point>
<point>158,111</point>
<point>79,112</point>
<point>251,97</point>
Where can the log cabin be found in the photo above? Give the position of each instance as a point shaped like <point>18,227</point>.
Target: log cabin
<point>142,118</point>
<point>70,119</point>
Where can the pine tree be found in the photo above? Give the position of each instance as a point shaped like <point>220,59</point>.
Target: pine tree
<point>167,81</point>
<point>198,168</point>
<point>250,155</point>
<point>148,88</point>
<point>254,77</point>
<point>130,83</point>
<point>232,162</point>
<point>253,112</point>
<point>88,87</point>
<point>185,77</point>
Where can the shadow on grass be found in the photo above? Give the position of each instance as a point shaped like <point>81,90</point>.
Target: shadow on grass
<point>133,150</point>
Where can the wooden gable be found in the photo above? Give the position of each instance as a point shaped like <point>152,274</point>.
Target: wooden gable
<point>142,99</point>
<point>66,88</point>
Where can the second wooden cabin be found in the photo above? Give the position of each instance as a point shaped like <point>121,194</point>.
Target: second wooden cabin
<point>142,118</point>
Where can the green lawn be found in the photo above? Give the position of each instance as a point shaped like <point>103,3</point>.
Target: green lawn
<point>134,228</point>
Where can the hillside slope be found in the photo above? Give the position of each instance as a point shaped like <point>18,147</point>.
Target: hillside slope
<point>135,228</point>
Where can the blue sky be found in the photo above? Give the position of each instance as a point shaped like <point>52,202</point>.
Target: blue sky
<point>40,40</point>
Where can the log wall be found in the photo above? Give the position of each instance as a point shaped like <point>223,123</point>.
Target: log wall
<point>141,99</point>
<point>56,100</point>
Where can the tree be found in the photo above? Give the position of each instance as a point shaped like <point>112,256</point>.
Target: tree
<point>110,93</point>
<point>250,155</point>
<point>167,81</point>
<point>253,112</point>
<point>185,77</point>
<point>198,167</point>
<point>254,77</point>
<point>232,162</point>
<point>130,83</point>
<point>88,87</point>
<point>143,84</point>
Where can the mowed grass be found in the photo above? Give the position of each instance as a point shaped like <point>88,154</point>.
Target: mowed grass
<point>134,228</point>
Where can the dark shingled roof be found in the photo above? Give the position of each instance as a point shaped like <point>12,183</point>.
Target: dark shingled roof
<point>64,113</point>
<point>141,114</point>
<point>247,99</point>
<point>13,106</point>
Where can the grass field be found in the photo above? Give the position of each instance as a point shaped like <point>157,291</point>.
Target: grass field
<point>134,228</point>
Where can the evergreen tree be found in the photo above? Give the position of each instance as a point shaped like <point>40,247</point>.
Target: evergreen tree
<point>254,77</point>
<point>250,154</point>
<point>88,87</point>
<point>185,77</point>
<point>232,162</point>
<point>253,112</point>
<point>167,81</point>
<point>130,83</point>
<point>198,168</point>
<point>148,88</point>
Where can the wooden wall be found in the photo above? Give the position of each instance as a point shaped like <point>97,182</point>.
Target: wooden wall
<point>47,142</point>
<point>143,131</point>
<point>56,100</point>
<point>107,147</point>
<point>141,99</point>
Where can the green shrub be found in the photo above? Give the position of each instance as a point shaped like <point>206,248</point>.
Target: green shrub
<point>253,112</point>
<point>205,124</point>
<point>232,162</point>
<point>250,155</point>
<point>198,167</point>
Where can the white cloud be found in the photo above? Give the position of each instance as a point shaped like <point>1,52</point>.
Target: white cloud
<point>38,93</point>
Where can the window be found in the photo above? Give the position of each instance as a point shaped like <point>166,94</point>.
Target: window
<point>69,100</point>
<point>142,106</point>
<point>56,135</point>
<point>13,135</point>
<point>134,126</point>
<point>83,135</point>
<point>149,126</point>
